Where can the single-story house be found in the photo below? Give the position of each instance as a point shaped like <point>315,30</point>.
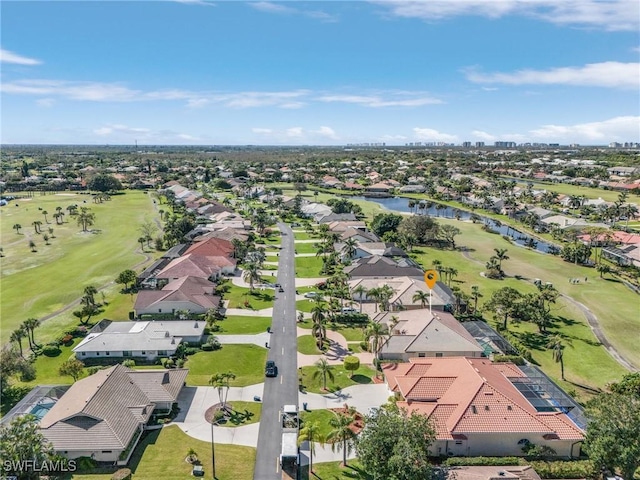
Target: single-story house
<point>477,409</point>
<point>421,333</point>
<point>383,267</point>
<point>194,294</point>
<point>103,416</point>
<point>141,340</point>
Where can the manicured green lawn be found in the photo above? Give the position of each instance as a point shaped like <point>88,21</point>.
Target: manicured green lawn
<point>593,193</point>
<point>333,471</point>
<point>161,455</point>
<point>306,248</point>
<point>242,413</point>
<point>305,236</point>
<point>362,376</point>
<point>308,267</point>
<point>258,299</point>
<point>58,272</point>
<point>596,367</point>
<point>243,325</point>
<point>307,345</point>
<point>47,367</point>
<point>349,333</point>
<point>322,417</point>
<point>304,305</point>
<point>245,361</point>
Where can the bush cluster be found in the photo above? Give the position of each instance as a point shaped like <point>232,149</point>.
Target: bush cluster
<point>518,345</point>
<point>481,461</point>
<point>569,469</point>
<point>51,350</point>
<point>517,359</point>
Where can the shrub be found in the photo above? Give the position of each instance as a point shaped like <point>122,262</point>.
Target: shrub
<point>568,469</point>
<point>180,363</point>
<point>51,350</point>
<point>352,318</point>
<point>86,464</point>
<point>67,339</point>
<point>92,370</point>
<point>480,461</point>
<point>364,346</point>
<point>81,331</point>
<point>129,363</point>
<point>517,359</point>
<point>191,351</point>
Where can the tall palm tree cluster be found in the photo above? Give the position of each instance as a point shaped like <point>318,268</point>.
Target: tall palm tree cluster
<point>26,330</point>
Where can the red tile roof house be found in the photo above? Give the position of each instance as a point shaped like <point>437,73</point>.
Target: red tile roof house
<point>191,265</point>
<point>103,416</point>
<point>194,294</point>
<point>476,409</point>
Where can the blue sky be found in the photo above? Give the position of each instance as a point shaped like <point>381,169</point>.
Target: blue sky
<point>320,73</point>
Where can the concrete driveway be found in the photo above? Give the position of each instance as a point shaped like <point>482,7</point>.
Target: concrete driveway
<point>194,402</point>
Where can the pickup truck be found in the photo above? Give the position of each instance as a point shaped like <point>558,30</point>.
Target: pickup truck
<point>270,369</point>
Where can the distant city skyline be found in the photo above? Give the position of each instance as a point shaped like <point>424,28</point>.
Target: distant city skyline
<point>199,72</point>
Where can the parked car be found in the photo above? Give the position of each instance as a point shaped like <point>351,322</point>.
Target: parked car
<point>310,295</point>
<point>270,369</point>
<point>349,310</point>
<point>197,471</point>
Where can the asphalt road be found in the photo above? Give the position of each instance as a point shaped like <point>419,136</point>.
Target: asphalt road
<point>283,389</point>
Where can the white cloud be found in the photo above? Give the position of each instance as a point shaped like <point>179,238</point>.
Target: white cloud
<point>295,132</point>
<point>605,74</point>
<point>265,131</point>
<point>431,135</point>
<point>623,128</point>
<point>326,132</point>
<point>608,15</point>
<point>127,134</point>
<point>9,57</point>
<point>45,102</point>
<point>279,8</point>
<point>387,99</point>
<point>483,136</point>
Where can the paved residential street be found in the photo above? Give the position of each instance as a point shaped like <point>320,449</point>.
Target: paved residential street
<point>283,389</point>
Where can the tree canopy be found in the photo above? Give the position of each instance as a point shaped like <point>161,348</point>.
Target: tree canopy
<point>613,432</point>
<point>385,222</point>
<point>395,445</point>
<point>104,183</point>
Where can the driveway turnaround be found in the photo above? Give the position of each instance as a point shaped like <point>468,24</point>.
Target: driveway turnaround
<point>194,402</point>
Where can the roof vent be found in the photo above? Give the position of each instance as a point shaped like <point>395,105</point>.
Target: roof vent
<point>474,409</point>
<point>486,407</point>
<point>509,407</point>
<point>501,473</point>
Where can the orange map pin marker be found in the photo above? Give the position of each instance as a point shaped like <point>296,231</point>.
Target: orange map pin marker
<point>430,278</point>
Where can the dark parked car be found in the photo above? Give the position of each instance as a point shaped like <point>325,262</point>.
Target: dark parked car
<point>270,369</point>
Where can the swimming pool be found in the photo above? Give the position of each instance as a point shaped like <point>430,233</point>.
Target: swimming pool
<point>41,409</point>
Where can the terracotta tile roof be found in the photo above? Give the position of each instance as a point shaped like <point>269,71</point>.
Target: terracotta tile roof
<point>473,395</point>
<point>212,247</point>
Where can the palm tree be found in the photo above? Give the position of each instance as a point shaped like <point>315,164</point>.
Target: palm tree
<point>557,349</point>
<point>385,295</point>
<point>342,437</point>
<point>349,248</point>
<point>475,295</point>
<point>17,227</point>
<point>36,226</point>
<point>374,294</point>
<point>86,218</point>
<point>30,325</point>
<point>501,254</point>
<point>376,334</point>
<point>251,274</point>
<point>32,246</point>
<point>221,381</point>
<point>17,336</point>
<point>45,213</point>
<point>324,370</point>
<point>422,297</point>
<point>311,433</point>
<point>361,292</point>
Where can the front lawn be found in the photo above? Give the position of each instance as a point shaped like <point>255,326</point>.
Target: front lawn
<point>304,305</point>
<point>47,367</point>
<point>243,325</point>
<point>334,471</point>
<point>161,454</point>
<point>362,376</point>
<point>308,267</point>
<point>245,361</point>
<point>322,417</point>
<point>302,235</point>
<point>305,247</point>
<point>307,345</point>
<point>256,299</point>
<point>242,413</point>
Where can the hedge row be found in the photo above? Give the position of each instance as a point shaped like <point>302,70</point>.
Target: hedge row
<point>546,469</point>
<point>481,461</point>
<point>569,469</point>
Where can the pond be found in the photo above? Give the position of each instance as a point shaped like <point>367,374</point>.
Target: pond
<point>433,209</point>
